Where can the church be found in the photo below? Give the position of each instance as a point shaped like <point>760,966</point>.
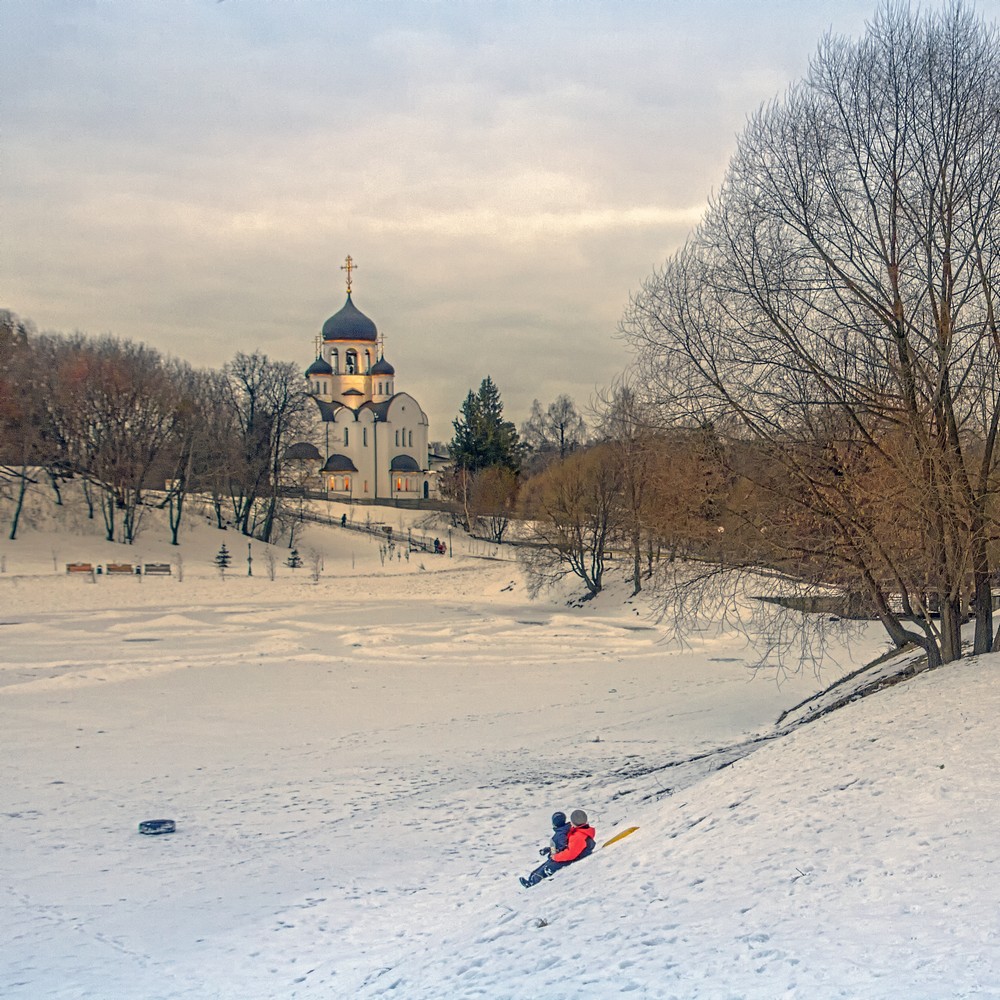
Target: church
<point>368,441</point>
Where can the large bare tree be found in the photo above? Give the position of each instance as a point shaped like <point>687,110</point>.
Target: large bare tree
<point>836,312</point>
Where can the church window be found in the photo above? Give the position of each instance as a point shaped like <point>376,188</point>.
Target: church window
<point>397,439</point>
<point>325,389</point>
<point>366,486</point>
<point>346,441</point>
<point>351,361</point>
<point>368,362</point>
<point>335,361</point>
<point>364,437</point>
<point>347,482</point>
<point>410,438</point>
<point>399,484</point>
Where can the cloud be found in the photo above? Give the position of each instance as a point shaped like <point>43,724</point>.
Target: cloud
<point>506,173</point>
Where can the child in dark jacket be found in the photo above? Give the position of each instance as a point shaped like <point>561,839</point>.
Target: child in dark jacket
<point>560,835</point>
<point>579,844</point>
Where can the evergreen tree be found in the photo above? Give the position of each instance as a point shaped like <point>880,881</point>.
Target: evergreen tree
<point>483,438</point>
<point>294,560</point>
<point>223,558</point>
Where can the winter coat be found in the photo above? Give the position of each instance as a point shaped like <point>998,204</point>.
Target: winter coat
<point>560,838</point>
<point>580,844</point>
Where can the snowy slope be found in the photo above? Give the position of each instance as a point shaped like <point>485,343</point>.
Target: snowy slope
<point>360,767</point>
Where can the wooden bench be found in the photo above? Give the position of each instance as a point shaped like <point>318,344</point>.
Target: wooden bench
<point>156,569</point>
<point>113,568</point>
<point>80,568</point>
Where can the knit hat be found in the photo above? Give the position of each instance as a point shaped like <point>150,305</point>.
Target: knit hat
<point>578,817</point>
<point>558,819</point>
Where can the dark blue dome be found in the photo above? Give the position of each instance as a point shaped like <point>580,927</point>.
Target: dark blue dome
<point>349,324</point>
<point>319,367</point>
<point>382,367</point>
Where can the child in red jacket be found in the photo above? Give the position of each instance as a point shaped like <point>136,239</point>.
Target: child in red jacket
<point>579,844</point>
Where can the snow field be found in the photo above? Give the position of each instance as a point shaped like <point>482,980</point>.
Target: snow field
<point>360,767</point>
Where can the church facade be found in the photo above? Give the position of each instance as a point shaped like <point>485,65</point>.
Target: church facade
<point>368,441</point>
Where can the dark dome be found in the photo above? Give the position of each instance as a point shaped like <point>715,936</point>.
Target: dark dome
<point>319,367</point>
<point>404,463</point>
<point>382,367</point>
<point>349,324</point>
<point>303,451</point>
<point>339,463</point>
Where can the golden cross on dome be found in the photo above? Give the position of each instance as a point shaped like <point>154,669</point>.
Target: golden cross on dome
<point>348,266</point>
<point>317,340</point>
<point>381,344</point>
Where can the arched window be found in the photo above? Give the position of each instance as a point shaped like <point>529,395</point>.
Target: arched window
<point>351,362</point>
<point>368,362</point>
<point>364,437</point>
<point>346,441</point>
<point>335,361</point>
<point>397,439</point>
<point>410,437</point>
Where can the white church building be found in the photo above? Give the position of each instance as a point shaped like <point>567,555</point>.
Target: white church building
<point>367,441</point>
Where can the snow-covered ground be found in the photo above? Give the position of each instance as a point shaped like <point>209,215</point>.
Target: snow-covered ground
<point>361,766</point>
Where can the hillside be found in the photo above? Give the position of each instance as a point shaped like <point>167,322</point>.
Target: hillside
<point>361,765</point>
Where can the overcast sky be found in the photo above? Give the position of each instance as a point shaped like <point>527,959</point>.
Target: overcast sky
<point>193,174</point>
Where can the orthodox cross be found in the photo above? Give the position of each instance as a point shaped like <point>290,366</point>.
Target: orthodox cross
<point>348,266</point>
<point>317,340</point>
<point>381,344</point>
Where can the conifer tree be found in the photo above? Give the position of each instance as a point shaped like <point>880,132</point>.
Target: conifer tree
<point>482,437</point>
<point>223,558</point>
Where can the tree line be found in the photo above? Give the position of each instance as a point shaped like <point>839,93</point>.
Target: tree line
<point>132,425</point>
<point>816,391</point>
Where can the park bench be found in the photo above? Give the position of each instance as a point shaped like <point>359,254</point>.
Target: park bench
<point>156,569</point>
<point>122,568</point>
<point>80,568</point>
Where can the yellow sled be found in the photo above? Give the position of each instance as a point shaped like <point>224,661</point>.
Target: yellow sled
<point>619,836</point>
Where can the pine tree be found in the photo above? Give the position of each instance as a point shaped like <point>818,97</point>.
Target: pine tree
<point>294,560</point>
<point>482,437</point>
<point>223,558</point>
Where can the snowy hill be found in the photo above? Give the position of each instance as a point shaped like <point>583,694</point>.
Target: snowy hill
<point>360,766</point>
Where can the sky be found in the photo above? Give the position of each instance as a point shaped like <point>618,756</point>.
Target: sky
<point>193,174</point>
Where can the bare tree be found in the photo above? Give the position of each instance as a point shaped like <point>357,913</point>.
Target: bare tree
<point>571,508</point>
<point>837,309</point>
<point>267,401</point>
<point>555,431</point>
<point>492,499</point>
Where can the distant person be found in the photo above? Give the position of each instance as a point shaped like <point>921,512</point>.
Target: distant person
<point>579,844</point>
<point>343,520</point>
